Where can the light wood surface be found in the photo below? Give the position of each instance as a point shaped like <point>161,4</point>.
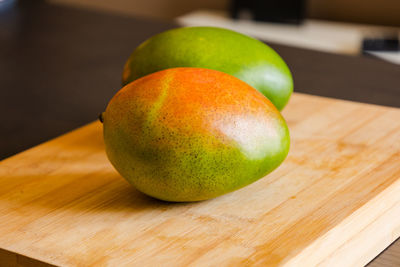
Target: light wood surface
<point>334,201</point>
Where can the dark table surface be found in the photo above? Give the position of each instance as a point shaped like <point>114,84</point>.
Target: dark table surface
<point>59,66</point>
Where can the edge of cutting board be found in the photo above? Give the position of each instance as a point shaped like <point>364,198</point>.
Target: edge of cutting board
<point>373,227</point>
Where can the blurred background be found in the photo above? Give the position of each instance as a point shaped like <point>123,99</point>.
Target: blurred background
<point>61,60</point>
<point>381,12</point>
<point>338,26</point>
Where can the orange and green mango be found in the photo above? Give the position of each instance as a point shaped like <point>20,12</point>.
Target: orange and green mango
<point>214,48</point>
<point>190,134</point>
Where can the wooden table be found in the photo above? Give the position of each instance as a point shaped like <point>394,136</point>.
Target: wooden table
<point>59,66</point>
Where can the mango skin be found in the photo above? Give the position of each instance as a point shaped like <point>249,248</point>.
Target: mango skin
<point>190,134</point>
<point>214,48</point>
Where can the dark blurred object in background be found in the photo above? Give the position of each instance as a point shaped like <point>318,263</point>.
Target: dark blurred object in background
<point>282,11</point>
<point>389,43</point>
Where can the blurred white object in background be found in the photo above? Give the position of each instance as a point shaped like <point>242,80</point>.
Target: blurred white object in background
<point>327,36</point>
<point>393,57</point>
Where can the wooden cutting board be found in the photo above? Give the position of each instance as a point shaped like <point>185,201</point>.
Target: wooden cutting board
<point>334,201</point>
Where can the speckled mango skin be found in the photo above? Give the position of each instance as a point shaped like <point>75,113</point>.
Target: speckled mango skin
<point>214,48</point>
<point>190,134</point>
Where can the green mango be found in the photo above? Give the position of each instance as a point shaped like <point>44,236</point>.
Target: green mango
<point>214,48</point>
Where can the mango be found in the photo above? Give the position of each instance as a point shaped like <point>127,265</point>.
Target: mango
<point>190,134</point>
<point>214,48</point>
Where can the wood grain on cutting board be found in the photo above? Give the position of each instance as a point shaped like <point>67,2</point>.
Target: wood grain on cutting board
<point>334,201</point>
